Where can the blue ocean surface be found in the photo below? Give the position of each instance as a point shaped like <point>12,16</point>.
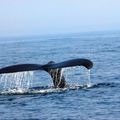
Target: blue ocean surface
<point>34,97</point>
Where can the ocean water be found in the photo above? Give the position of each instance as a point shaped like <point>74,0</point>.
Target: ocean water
<point>32,97</point>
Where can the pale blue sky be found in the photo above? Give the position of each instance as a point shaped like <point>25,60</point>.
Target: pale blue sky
<point>37,17</point>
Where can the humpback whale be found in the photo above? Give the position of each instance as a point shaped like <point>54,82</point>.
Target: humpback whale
<point>54,69</point>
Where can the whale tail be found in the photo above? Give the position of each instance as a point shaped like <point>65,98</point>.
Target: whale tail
<point>54,69</point>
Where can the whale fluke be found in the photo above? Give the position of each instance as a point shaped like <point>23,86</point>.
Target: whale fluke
<point>54,69</point>
<point>31,67</point>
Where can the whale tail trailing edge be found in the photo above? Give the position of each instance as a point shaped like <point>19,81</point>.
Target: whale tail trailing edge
<point>51,65</point>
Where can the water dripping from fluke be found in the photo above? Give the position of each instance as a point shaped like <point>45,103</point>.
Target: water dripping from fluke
<point>22,82</point>
<point>78,77</point>
<point>89,84</point>
<point>16,82</point>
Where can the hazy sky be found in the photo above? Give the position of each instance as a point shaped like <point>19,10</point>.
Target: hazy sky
<point>36,17</point>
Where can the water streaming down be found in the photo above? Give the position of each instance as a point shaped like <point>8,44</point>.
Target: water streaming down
<point>22,82</point>
<point>61,74</point>
<point>89,84</point>
<point>17,82</point>
<point>77,77</point>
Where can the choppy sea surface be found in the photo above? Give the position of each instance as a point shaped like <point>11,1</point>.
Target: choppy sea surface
<point>30,95</point>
